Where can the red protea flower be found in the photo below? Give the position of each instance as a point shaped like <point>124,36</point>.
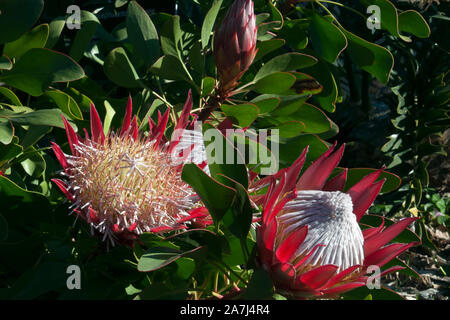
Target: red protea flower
<point>235,44</point>
<point>310,241</point>
<point>124,183</point>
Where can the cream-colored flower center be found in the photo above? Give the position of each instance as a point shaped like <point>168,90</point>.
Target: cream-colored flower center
<point>331,224</point>
<point>127,181</point>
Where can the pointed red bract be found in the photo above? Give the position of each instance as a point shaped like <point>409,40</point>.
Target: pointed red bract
<point>293,171</point>
<point>343,288</point>
<point>60,156</point>
<point>386,254</point>
<point>127,119</point>
<point>290,244</point>
<point>317,277</point>
<point>336,183</point>
<point>64,188</point>
<point>161,127</point>
<point>379,240</point>
<point>363,199</point>
<point>341,275</point>
<point>368,233</point>
<point>316,175</point>
<point>184,116</point>
<point>71,135</point>
<point>134,129</point>
<point>96,126</point>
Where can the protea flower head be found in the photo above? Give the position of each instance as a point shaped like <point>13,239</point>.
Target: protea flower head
<point>124,183</point>
<point>235,44</point>
<point>310,241</point>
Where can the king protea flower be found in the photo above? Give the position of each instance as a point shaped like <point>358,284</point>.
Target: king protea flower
<point>124,183</point>
<point>235,44</point>
<point>310,241</point>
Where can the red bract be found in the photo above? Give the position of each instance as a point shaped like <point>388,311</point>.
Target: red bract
<point>126,183</point>
<point>235,44</point>
<point>310,241</point>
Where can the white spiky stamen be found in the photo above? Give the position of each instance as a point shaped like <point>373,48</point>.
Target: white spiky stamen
<point>331,224</point>
<point>127,182</point>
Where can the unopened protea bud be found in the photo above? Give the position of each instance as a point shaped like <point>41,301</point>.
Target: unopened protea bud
<point>235,44</point>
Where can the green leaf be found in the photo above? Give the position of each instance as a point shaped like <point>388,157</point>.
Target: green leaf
<point>5,63</point>
<point>266,47</point>
<point>411,21</point>
<point>259,287</point>
<point>390,20</point>
<point>305,85</point>
<point>44,117</point>
<point>370,57</point>
<point>196,58</point>
<point>158,257</point>
<point>66,103</point>
<point>285,62</point>
<point>208,84</point>
<point>290,129</point>
<point>35,38</point>
<point>34,78</point>
<point>32,162</point>
<point>291,149</point>
<point>10,151</point>
<point>82,100</point>
<point>239,218</point>
<point>9,189</point>
<point>186,267</point>
<point>56,26</point>
<point>260,18</point>
<point>110,112</point>
<point>208,23</point>
<point>276,15</point>
<point>326,39</point>
<point>17,16</point>
<point>314,119</point>
<point>33,135</point>
<point>82,40</point>
<point>170,68</point>
<point>11,96</point>
<point>48,276</point>
<point>171,37</point>
<point>216,196</point>
<point>243,114</point>
<point>355,175</point>
<point>329,95</point>
<point>265,103</point>
<point>118,69</point>
<point>289,105</point>
<point>6,132</point>
<point>142,33</point>
<point>294,32</point>
<point>264,27</point>
<point>225,162</point>
<point>274,83</point>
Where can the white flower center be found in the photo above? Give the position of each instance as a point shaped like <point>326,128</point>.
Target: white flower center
<point>331,224</point>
